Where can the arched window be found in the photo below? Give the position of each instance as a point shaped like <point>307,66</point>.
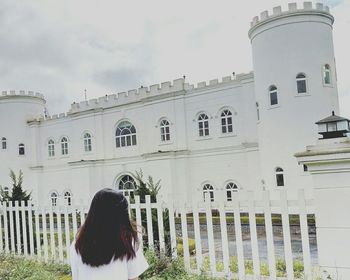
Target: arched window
<point>3,143</point>
<point>208,191</point>
<point>273,95</point>
<point>68,198</point>
<point>203,125</point>
<point>279,177</point>
<point>54,198</point>
<point>51,148</point>
<point>87,142</point>
<point>226,122</point>
<point>230,188</point>
<point>21,150</point>
<point>301,83</point>
<point>257,111</point>
<point>126,185</point>
<point>327,77</point>
<point>125,135</point>
<point>164,130</point>
<point>64,146</point>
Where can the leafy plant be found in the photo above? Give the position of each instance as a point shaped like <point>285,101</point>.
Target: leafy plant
<point>17,193</point>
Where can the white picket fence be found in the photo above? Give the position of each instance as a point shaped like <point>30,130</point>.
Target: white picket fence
<point>47,232</point>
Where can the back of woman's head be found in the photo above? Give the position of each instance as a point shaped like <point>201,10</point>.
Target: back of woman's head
<point>107,232</point>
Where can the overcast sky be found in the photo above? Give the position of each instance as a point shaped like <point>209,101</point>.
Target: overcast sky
<point>60,48</point>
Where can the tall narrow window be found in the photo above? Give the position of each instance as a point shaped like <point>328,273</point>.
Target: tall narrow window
<point>87,142</point>
<point>301,83</point>
<point>208,191</point>
<point>230,188</point>
<point>125,135</point>
<point>327,77</point>
<point>64,146</point>
<point>164,130</point>
<point>127,185</point>
<point>21,150</point>
<point>279,177</point>
<point>273,95</point>
<point>51,148</point>
<point>257,111</point>
<point>3,143</point>
<point>68,198</point>
<point>226,122</point>
<point>203,125</point>
<point>54,198</point>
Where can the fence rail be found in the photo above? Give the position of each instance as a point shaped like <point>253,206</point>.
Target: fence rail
<point>47,232</point>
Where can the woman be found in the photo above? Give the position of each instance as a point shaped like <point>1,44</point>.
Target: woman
<point>106,246</point>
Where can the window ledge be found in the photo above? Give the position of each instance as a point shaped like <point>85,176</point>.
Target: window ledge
<point>328,85</point>
<point>165,143</point>
<point>226,135</point>
<point>202,138</point>
<point>64,156</point>
<point>302,94</point>
<point>273,107</point>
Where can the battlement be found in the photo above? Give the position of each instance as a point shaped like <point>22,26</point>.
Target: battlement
<point>224,80</point>
<point>293,8</point>
<point>143,93</point>
<point>21,93</point>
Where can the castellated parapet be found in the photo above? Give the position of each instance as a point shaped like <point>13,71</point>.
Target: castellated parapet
<point>293,9</point>
<point>153,91</point>
<point>21,93</point>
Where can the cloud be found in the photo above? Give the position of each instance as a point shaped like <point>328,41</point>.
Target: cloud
<point>62,47</point>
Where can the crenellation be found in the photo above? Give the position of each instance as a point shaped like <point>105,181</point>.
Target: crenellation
<point>277,10</point>
<point>133,95</point>
<point>165,87</point>
<point>319,6</point>
<point>154,89</point>
<point>226,79</point>
<point>178,84</point>
<point>213,82</point>
<point>292,8</point>
<point>201,84</point>
<point>307,5</point>
<point>143,90</point>
<point>264,15</point>
<point>22,93</point>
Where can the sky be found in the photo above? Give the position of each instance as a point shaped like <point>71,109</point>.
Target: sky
<point>60,48</point>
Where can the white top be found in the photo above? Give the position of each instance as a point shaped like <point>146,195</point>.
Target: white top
<point>115,270</point>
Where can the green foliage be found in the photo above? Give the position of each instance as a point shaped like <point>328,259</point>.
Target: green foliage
<point>148,187</point>
<point>15,268</point>
<point>163,267</point>
<point>17,193</point>
<point>180,246</point>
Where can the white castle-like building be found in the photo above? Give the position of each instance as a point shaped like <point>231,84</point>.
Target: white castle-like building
<point>238,132</point>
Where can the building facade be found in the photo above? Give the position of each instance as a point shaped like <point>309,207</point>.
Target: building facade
<point>239,132</point>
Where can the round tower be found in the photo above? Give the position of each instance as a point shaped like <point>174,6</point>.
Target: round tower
<point>18,140</point>
<point>295,85</point>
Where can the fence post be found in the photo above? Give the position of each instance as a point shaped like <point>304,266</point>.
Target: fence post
<point>328,162</point>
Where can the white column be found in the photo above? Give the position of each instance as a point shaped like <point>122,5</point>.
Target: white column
<point>329,164</point>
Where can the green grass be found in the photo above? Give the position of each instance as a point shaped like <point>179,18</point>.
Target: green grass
<point>161,267</point>
<point>260,220</point>
<point>18,268</point>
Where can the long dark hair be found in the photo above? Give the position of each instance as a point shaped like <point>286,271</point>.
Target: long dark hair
<point>107,232</point>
